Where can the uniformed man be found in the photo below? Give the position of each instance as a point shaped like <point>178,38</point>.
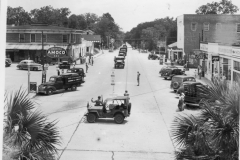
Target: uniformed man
<point>97,102</point>
<point>126,93</point>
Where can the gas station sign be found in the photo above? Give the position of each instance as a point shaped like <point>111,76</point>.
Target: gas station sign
<point>56,52</point>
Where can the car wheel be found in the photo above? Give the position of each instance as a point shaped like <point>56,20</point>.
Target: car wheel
<point>165,78</point>
<point>91,117</point>
<point>73,88</point>
<point>119,118</point>
<point>175,91</point>
<point>49,92</point>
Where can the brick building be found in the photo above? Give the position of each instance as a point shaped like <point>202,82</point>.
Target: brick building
<point>33,41</point>
<point>194,29</point>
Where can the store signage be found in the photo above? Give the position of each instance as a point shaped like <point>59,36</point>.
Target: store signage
<point>225,50</point>
<point>204,47</point>
<point>215,58</point>
<point>236,51</point>
<point>56,52</point>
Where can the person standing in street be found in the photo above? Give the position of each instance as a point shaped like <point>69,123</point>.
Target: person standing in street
<point>138,78</point>
<point>92,61</point>
<point>89,59</point>
<point>86,67</point>
<point>58,71</point>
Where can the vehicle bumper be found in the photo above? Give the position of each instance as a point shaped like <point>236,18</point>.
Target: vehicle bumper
<point>192,104</point>
<point>45,92</point>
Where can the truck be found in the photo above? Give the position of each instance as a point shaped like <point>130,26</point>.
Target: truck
<point>64,65</point>
<point>64,81</point>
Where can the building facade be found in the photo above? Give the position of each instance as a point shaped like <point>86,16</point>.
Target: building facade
<point>33,41</point>
<point>194,29</point>
<point>221,61</point>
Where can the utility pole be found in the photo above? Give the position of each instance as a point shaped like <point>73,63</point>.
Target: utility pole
<point>203,62</point>
<point>43,61</point>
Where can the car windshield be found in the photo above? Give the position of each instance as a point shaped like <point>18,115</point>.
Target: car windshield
<point>189,79</point>
<point>52,79</point>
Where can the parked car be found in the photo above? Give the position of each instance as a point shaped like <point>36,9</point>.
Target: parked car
<point>64,65</point>
<point>24,64</point>
<point>62,82</point>
<point>181,88</point>
<point>124,50</point>
<point>79,71</point>
<point>121,54</point>
<point>163,69</point>
<point>118,108</point>
<point>170,72</point>
<point>8,62</point>
<point>153,56</point>
<point>178,80</point>
<point>193,95</point>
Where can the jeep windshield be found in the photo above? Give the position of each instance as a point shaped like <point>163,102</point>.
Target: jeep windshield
<point>177,79</point>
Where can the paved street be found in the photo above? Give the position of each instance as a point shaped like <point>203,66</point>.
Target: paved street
<point>144,135</point>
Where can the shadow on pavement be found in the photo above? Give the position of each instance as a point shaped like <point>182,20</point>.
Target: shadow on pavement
<point>107,121</point>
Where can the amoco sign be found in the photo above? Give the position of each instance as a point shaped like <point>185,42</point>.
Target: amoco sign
<point>56,52</point>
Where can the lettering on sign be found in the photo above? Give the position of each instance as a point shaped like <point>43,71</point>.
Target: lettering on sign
<point>236,51</point>
<point>56,52</point>
<point>204,47</point>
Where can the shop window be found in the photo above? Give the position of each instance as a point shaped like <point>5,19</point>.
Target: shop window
<point>238,27</point>
<point>236,66</point>
<point>21,37</point>
<point>206,26</point>
<point>74,38</point>
<point>65,38</point>
<point>218,26</point>
<point>194,26</point>
<point>236,76</point>
<point>44,37</point>
<point>33,37</point>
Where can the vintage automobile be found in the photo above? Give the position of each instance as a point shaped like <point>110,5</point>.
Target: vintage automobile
<point>193,95</point>
<point>153,56</point>
<point>64,65</point>
<point>79,71</point>
<point>163,69</point>
<point>178,80</point>
<point>62,82</point>
<point>8,62</point>
<point>24,64</point>
<point>170,72</point>
<point>121,54</point>
<point>118,108</point>
<point>181,88</point>
<point>124,50</point>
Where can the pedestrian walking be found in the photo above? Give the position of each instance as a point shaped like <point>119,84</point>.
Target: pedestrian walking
<point>126,93</point>
<point>138,78</point>
<point>89,59</point>
<point>92,61</point>
<point>86,67</point>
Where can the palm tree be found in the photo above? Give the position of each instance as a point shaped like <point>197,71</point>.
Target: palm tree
<point>214,133</point>
<point>27,133</point>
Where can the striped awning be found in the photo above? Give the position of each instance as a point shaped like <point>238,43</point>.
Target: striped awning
<point>32,46</point>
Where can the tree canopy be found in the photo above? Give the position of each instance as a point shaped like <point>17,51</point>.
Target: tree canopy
<point>222,7</point>
<point>146,35</point>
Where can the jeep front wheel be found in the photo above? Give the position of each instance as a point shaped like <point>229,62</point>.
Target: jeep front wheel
<point>49,91</point>
<point>91,117</point>
<point>119,118</point>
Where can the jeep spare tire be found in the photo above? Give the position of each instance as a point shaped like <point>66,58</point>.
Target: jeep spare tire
<point>119,118</point>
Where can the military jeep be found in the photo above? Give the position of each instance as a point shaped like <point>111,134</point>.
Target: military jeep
<point>118,108</point>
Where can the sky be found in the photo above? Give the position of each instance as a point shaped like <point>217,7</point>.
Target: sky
<point>126,13</point>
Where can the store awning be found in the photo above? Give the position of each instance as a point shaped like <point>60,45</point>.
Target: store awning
<point>32,46</point>
<point>92,38</point>
<point>173,45</point>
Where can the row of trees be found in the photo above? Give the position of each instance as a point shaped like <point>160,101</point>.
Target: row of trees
<point>146,35</point>
<point>102,25</point>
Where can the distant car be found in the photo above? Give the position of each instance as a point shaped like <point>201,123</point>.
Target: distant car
<point>24,64</point>
<point>163,69</point>
<point>121,54</point>
<point>79,71</point>
<point>169,73</point>
<point>153,56</point>
<point>64,65</point>
<point>8,62</point>
<point>123,50</point>
<point>178,80</point>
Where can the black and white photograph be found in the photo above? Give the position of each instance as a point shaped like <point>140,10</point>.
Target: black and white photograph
<point>120,79</point>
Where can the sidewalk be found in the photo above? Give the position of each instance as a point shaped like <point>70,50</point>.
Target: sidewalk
<point>95,56</point>
<point>203,80</point>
